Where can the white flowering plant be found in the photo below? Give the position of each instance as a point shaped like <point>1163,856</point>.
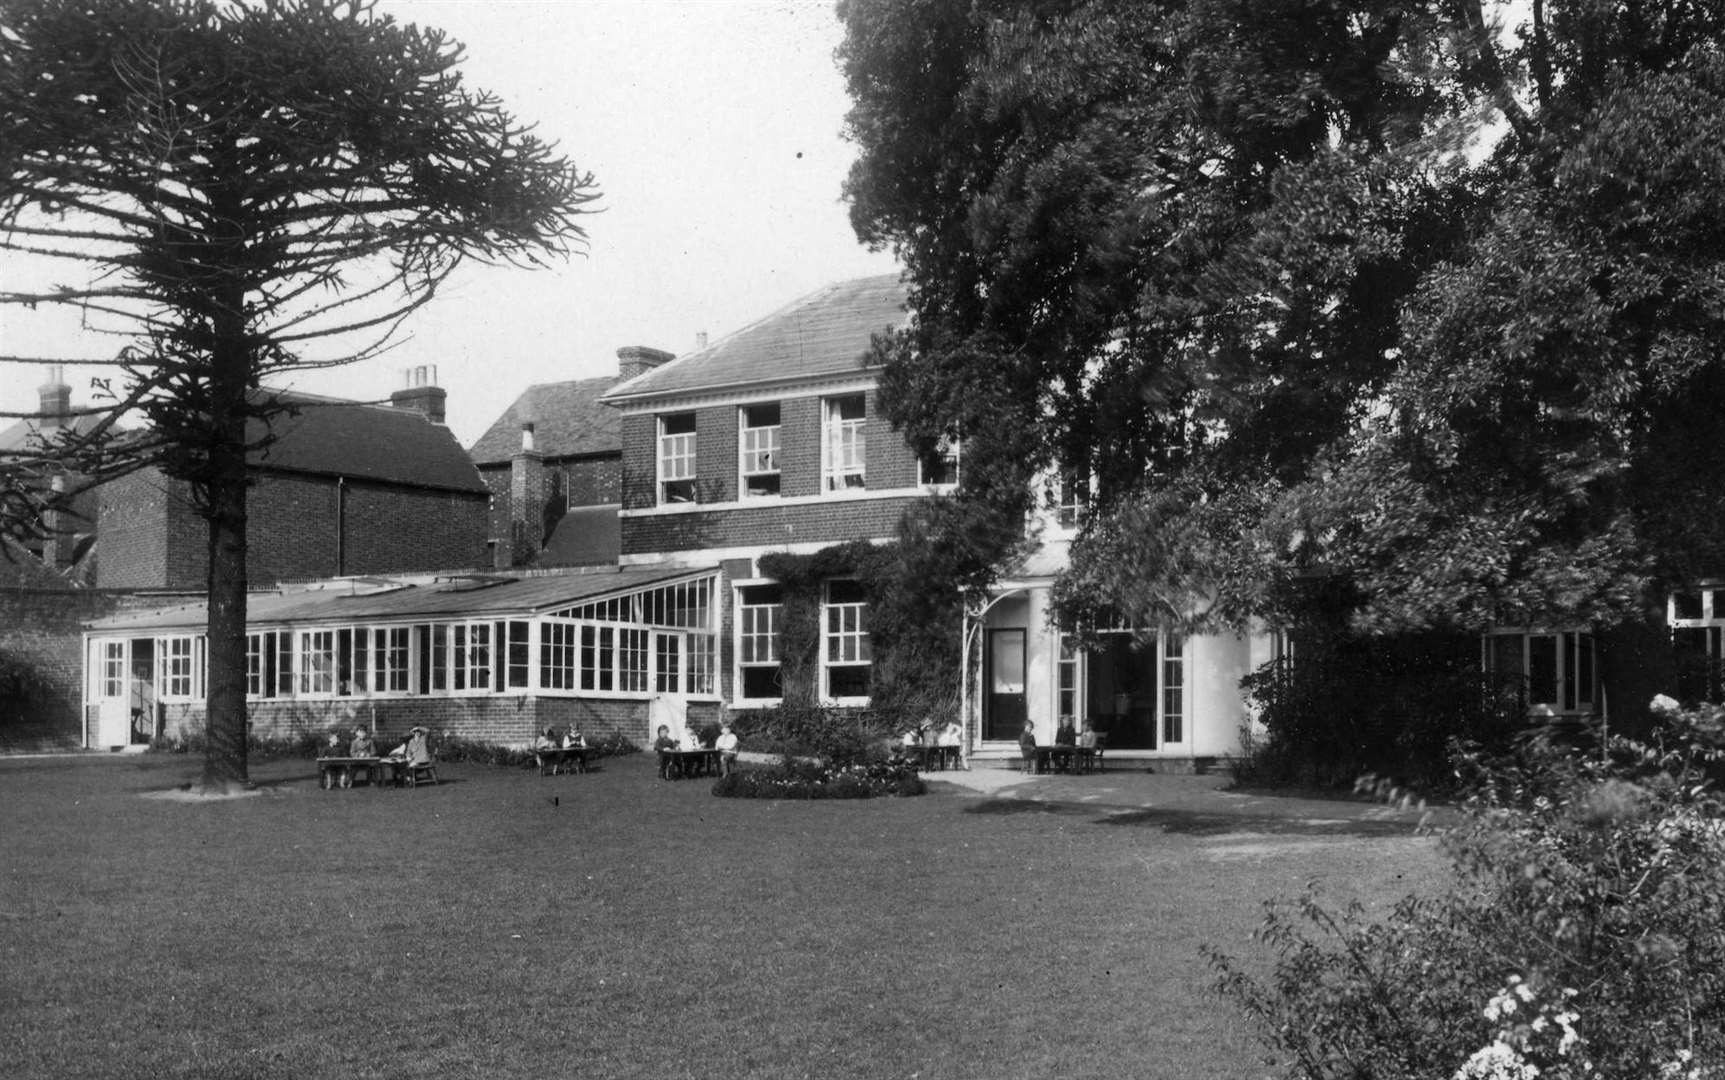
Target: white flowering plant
<point>1584,935</point>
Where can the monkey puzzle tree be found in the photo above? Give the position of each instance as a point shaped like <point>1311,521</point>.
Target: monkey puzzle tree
<point>244,190</point>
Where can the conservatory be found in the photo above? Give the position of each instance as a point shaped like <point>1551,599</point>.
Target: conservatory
<point>492,658</point>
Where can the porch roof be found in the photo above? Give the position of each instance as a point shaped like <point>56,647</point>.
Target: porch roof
<point>383,600</point>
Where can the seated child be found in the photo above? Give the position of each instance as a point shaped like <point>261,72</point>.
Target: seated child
<point>362,745</point>
<point>727,747</point>
<point>1027,745</point>
<point>663,745</point>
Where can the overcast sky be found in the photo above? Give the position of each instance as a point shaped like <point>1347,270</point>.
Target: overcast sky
<point>713,129</point>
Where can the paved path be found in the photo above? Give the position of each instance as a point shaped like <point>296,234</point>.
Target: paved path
<point>1182,802</point>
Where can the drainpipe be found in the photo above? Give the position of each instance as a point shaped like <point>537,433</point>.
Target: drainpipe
<point>340,526</point>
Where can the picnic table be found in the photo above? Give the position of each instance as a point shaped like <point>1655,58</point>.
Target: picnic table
<point>554,759</point>
<point>686,763</point>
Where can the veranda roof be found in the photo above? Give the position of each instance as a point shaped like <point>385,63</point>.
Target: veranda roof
<point>380,600</point>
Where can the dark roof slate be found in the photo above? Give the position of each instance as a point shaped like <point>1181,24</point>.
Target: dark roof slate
<point>585,536</point>
<point>333,437</point>
<point>567,419</point>
<point>824,333</point>
<point>453,597</point>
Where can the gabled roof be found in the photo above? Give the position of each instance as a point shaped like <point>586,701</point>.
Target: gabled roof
<point>21,434</point>
<point>824,333</point>
<point>333,437</point>
<point>567,421</point>
<point>442,598</point>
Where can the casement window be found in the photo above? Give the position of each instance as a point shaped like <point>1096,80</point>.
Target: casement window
<point>389,660</point>
<point>1173,688</point>
<point>177,659</point>
<point>261,651</point>
<point>939,469</point>
<point>845,453</point>
<point>758,451</point>
<point>558,665</point>
<point>677,458</point>
<point>317,666</point>
<point>1557,668</point>
<point>614,659</point>
<point>847,658</point>
<point>111,669</point>
<point>517,655</point>
<point>759,611</point>
<point>1069,664</point>
<point>470,656</point>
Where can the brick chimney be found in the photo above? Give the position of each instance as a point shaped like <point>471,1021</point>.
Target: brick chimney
<point>632,360</point>
<point>56,399</point>
<point>421,393</point>
<point>526,499</point>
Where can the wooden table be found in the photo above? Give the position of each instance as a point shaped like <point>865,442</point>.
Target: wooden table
<point>334,772</point>
<point>683,763</point>
<point>554,759</point>
<point>1081,759</point>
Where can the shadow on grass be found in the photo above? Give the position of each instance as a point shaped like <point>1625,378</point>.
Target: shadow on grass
<point>1197,823</point>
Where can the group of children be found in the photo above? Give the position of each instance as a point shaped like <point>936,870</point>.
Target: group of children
<point>727,744</point>
<point>416,749</point>
<point>571,739</point>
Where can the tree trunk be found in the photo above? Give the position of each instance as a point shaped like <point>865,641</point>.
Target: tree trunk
<point>225,509</point>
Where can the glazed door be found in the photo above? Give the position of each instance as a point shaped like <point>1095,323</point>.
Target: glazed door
<point>1003,706</point>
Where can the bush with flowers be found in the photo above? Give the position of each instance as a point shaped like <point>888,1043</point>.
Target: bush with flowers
<point>1584,935</point>
<point>805,778</point>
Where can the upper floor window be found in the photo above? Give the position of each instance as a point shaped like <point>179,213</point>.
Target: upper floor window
<point>1071,498</point>
<point>758,443</point>
<point>677,458</point>
<point>846,451</point>
<point>940,468</point>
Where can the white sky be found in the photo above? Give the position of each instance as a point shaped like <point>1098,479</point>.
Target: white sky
<point>712,127</point>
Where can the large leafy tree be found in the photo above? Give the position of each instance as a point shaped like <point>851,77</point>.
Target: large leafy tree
<point>1378,288</point>
<point>240,190</point>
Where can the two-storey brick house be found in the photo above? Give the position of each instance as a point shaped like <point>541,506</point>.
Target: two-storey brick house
<point>770,441</point>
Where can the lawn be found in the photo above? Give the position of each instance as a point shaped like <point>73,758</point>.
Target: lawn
<point>503,925</point>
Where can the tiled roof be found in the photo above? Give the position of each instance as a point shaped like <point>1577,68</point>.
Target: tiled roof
<point>20,435</point>
<point>332,437</point>
<point>567,420</point>
<point>824,333</point>
<point>585,536</point>
<point>454,597</point>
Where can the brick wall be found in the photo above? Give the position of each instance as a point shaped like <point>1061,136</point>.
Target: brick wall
<point>769,525</point>
<point>152,536</point>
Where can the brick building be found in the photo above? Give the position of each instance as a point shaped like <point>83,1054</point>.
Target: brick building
<point>553,465</point>
<point>339,487</point>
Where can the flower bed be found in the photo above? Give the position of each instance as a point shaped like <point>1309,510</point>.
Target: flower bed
<point>791,779</point>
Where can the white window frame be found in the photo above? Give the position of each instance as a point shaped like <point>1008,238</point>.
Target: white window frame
<point>757,642</point>
<point>315,665</point>
<point>844,445</point>
<point>758,447</point>
<point>845,643</point>
<point>677,458</point>
<point>1575,668</point>
<point>1172,729</point>
<point>110,669</point>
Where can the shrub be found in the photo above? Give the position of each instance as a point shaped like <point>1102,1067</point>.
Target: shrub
<point>791,778</point>
<point>444,747</point>
<point>840,736</point>
<point>1585,935</point>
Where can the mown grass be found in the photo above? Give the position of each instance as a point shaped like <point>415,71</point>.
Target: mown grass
<point>503,925</point>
